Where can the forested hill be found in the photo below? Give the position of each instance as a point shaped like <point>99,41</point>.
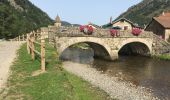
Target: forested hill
<point>20,16</point>
<point>143,12</point>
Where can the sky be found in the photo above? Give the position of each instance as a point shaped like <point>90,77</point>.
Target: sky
<point>84,11</point>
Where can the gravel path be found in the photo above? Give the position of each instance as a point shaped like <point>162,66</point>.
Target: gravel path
<point>7,56</point>
<point>115,88</point>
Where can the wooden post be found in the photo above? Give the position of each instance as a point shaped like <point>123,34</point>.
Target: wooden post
<point>32,48</point>
<point>42,54</point>
<point>28,44</point>
<point>19,38</point>
<point>34,34</point>
<point>23,37</point>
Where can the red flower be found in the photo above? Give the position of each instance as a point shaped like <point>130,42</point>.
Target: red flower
<point>90,29</point>
<point>136,31</point>
<point>113,32</point>
<point>86,29</point>
<point>81,28</point>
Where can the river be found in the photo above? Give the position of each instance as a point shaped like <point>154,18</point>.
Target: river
<point>140,71</point>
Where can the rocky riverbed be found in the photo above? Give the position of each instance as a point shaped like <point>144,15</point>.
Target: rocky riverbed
<point>116,89</point>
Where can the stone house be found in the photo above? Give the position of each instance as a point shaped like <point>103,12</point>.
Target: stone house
<point>160,26</point>
<point>123,23</point>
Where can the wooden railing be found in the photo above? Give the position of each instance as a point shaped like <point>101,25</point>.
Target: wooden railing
<point>32,39</point>
<point>20,38</point>
<point>31,44</point>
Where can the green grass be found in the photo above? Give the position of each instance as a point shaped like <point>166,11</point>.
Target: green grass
<point>54,84</point>
<point>81,46</point>
<point>164,57</point>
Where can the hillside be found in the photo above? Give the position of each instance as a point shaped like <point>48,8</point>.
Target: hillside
<point>65,23</point>
<point>20,16</point>
<point>143,12</point>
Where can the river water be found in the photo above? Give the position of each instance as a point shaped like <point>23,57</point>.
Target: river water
<point>141,71</point>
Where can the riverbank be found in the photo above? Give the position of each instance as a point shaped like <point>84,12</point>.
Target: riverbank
<point>54,84</point>
<point>164,57</point>
<point>115,88</point>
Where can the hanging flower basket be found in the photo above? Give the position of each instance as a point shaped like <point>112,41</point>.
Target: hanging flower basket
<point>81,28</point>
<point>136,31</point>
<point>113,32</point>
<point>88,30</point>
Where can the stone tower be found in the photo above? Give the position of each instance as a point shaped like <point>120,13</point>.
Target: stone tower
<point>57,21</point>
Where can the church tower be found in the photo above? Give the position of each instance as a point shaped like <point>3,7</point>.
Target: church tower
<point>57,21</point>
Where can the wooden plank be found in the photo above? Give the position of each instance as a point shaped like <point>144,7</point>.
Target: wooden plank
<point>32,49</point>
<point>38,53</point>
<point>37,43</point>
<point>28,44</point>
<point>42,54</point>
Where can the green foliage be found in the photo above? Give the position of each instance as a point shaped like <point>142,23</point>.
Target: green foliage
<point>55,84</point>
<point>164,57</point>
<point>14,22</point>
<point>143,12</point>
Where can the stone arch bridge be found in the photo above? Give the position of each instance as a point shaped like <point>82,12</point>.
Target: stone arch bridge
<point>106,46</point>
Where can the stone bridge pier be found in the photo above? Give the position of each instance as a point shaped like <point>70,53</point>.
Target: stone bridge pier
<point>107,47</point>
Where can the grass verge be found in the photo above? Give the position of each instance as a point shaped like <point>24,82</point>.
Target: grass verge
<point>55,84</point>
<point>164,57</point>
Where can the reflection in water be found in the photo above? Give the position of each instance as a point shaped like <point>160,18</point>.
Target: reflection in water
<point>141,71</point>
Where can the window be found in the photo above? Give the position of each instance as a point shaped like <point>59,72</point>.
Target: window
<point>125,27</point>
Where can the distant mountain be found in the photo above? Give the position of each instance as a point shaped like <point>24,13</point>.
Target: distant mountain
<point>20,16</point>
<point>76,25</point>
<point>143,12</point>
<point>65,23</point>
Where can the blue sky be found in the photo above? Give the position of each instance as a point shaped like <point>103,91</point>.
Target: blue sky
<point>84,11</point>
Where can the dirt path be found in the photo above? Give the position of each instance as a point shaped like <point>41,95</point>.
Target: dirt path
<point>7,56</point>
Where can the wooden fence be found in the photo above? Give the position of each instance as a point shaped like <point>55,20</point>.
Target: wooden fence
<point>31,43</point>
<point>31,39</point>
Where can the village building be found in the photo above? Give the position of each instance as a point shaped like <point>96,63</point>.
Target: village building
<point>57,22</point>
<point>93,25</point>
<point>122,24</point>
<point>160,26</point>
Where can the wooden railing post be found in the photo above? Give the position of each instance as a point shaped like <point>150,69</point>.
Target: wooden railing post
<point>23,37</point>
<point>42,54</point>
<point>28,44</point>
<point>32,48</point>
<point>19,38</point>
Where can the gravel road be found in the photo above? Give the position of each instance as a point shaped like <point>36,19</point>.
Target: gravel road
<point>7,56</point>
<point>116,89</point>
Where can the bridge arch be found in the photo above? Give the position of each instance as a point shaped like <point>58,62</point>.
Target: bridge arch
<point>136,45</point>
<point>101,49</point>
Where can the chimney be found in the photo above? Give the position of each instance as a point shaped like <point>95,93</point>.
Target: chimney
<point>111,19</point>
